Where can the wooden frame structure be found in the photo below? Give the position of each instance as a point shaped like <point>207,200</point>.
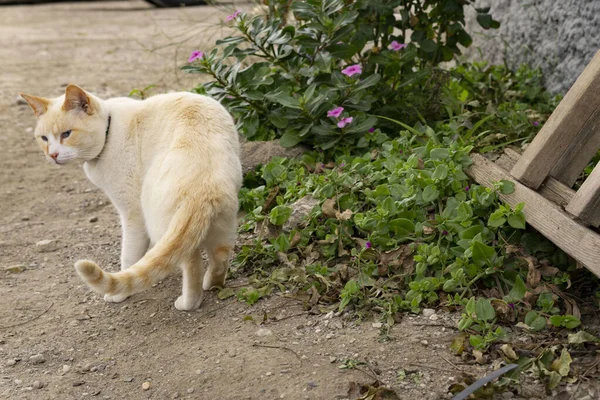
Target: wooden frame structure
<point>546,171</point>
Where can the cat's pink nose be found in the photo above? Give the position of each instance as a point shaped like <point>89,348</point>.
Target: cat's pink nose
<point>54,155</point>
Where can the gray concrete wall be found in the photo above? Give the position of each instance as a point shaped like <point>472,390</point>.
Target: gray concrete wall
<point>559,36</point>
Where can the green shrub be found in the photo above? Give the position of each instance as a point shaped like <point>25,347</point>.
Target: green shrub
<point>323,79</point>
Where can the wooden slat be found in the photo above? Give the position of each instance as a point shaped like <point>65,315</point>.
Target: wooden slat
<point>580,152</point>
<point>580,242</point>
<point>551,189</point>
<point>585,205</point>
<point>561,128</point>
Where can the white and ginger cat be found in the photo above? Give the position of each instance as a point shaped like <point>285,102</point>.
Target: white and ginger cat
<point>170,165</point>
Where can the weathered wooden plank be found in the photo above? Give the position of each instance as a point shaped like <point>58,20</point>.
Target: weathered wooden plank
<point>561,129</point>
<point>585,205</point>
<point>551,189</point>
<point>580,242</point>
<point>581,150</point>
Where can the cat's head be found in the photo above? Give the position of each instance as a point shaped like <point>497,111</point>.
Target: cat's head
<point>70,127</point>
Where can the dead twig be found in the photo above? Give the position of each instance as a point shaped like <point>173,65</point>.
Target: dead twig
<point>29,320</point>
<point>280,348</point>
<point>451,363</point>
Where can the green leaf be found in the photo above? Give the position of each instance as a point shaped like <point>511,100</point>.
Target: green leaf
<point>225,293</point>
<point>342,50</point>
<point>483,255</point>
<point>535,321</point>
<point>517,220</point>
<point>517,293</point>
<point>428,46</point>
<point>439,154</point>
<point>441,172</point>
<point>290,138</point>
<point>279,215</point>
<point>582,337</point>
<point>430,193</point>
<point>484,310</point>
<point>506,187</point>
<point>368,82</point>
<point>278,120</point>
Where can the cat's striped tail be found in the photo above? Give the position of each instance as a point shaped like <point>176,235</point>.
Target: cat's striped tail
<point>186,231</point>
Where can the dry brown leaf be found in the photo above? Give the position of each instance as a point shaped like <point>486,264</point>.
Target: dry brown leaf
<point>345,216</point>
<point>533,275</point>
<point>296,239</point>
<point>549,271</point>
<point>428,230</point>
<point>421,164</point>
<point>270,200</point>
<point>509,352</point>
<point>479,357</point>
<point>328,208</point>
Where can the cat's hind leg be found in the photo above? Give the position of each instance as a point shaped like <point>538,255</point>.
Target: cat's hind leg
<point>191,292</point>
<point>219,245</point>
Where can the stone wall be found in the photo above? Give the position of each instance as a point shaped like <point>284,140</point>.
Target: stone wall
<point>559,36</point>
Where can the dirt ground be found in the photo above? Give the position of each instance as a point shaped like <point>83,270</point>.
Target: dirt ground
<point>58,340</point>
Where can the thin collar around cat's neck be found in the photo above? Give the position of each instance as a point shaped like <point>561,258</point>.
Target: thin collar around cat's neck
<point>105,138</point>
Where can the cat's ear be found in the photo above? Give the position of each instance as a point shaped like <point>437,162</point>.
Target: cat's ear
<point>77,99</point>
<point>39,105</point>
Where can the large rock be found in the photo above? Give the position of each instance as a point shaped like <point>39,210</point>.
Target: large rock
<point>300,211</point>
<point>257,153</point>
<point>560,37</point>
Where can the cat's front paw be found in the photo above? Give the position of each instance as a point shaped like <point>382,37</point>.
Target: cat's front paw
<point>188,303</point>
<point>114,298</point>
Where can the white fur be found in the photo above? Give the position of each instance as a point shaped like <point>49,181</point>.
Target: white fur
<point>160,154</point>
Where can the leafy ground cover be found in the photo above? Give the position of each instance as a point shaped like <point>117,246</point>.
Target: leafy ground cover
<point>392,223</point>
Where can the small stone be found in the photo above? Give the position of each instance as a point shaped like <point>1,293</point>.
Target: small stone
<point>101,367</point>
<point>332,359</point>
<point>377,325</point>
<point>269,373</point>
<point>15,269</point>
<point>175,395</point>
<point>37,359</point>
<point>78,383</point>
<point>65,369</point>
<point>128,380</point>
<point>190,390</point>
<point>38,385</point>
<point>93,219</point>
<point>11,363</point>
<point>428,312</point>
<point>46,246</point>
<point>146,385</point>
<point>18,382</point>
<point>329,336</point>
<point>424,342</point>
<point>262,332</point>
<point>434,317</point>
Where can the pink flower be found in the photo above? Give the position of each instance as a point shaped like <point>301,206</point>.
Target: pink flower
<point>371,130</point>
<point>344,121</point>
<point>352,70</point>
<point>195,55</point>
<point>397,46</point>
<point>368,245</point>
<point>535,123</point>
<point>232,16</point>
<point>336,112</point>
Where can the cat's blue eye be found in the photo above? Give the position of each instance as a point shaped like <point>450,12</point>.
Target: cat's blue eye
<point>66,134</point>
<point>44,138</point>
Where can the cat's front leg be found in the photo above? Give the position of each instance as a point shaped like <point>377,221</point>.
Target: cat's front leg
<point>135,241</point>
